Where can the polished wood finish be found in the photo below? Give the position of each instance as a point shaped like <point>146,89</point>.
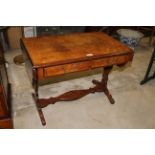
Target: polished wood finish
<point>5,95</point>
<point>56,50</point>
<point>58,55</point>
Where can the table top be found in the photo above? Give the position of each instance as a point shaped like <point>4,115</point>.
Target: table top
<point>59,49</point>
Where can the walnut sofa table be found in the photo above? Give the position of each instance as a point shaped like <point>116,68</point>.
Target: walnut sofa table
<point>49,56</point>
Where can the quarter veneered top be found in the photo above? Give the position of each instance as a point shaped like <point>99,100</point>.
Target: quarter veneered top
<point>60,49</point>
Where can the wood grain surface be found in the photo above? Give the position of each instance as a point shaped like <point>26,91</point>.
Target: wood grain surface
<point>54,50</point>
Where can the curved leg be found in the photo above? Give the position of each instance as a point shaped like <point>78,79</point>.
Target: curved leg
<point>107,93</point>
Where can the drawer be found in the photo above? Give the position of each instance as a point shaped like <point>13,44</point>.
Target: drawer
<point>67,68</point>
<point>103,62</point>
<point>80,66</point>
<point>123,59</point>
<point>54,70</point>
<point>110,61</point>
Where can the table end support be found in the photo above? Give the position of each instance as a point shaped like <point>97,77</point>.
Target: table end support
<point>41,115</point>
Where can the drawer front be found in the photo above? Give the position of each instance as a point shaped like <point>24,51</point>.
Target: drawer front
<point>67,68</point>
<point>80,66</point>
<point>103,62</point>
<point>123,59</point>
<point>117,60</point>
<point>54,70</point>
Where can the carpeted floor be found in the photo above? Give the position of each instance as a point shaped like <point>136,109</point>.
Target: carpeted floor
<point>134,107</point>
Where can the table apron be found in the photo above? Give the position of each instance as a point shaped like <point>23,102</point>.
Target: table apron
<point>45,72</point>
